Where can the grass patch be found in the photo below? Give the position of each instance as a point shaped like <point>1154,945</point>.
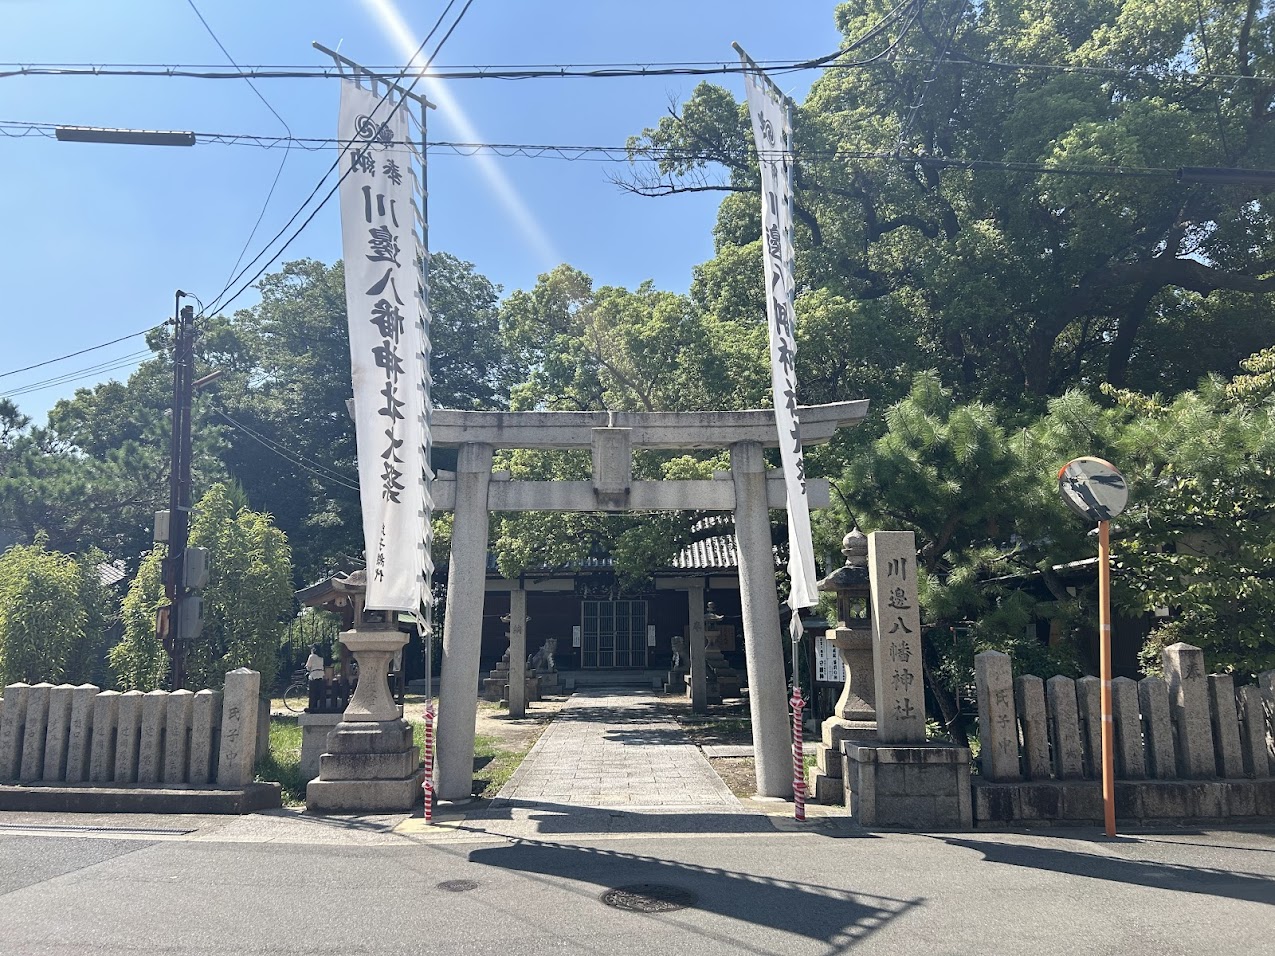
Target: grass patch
<point>717,730</point>
<point>494,764</point>
<point>282,765</point>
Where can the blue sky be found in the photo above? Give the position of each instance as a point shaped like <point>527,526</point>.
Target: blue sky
<point>97,237</point>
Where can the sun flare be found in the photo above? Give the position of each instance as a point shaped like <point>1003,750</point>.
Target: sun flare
<point>391,21</point>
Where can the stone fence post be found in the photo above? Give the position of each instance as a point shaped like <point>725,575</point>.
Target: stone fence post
<point>241,699</point>
<point>1189,700</point>
<point>997,717</point>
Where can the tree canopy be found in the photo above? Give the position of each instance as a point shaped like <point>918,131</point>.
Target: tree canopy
<point>993,183</point>
<point>245,606</point>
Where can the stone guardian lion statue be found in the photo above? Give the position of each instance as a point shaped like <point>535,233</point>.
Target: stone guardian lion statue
<point>542,660</point>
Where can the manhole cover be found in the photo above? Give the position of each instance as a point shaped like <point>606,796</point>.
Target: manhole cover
<point>649,898</point>
<point>458,886</point>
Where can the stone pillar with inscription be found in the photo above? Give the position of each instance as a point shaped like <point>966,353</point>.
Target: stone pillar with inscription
<point>997,716</point>
<point>517,653</point>
<point>900,780</point>
<point>1189,704</point>
<point>896,636</point>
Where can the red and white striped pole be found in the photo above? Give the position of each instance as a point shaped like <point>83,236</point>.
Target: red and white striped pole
<point>429,761</point>
<point>798,758</point>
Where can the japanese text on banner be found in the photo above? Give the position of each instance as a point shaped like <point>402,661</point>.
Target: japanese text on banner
<point>772,133</point>
<point>387,347</point>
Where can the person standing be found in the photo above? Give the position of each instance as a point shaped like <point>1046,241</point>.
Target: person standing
<point>314,673</point>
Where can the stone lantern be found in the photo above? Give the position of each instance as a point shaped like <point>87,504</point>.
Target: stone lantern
<point>854,716</point>
<point>370,761</point>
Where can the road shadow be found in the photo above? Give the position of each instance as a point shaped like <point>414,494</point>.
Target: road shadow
<point>1231,884</point>
<point>837,917</point>
<point>364,822</point>
<point>560,818</point>
<point>650,736</point>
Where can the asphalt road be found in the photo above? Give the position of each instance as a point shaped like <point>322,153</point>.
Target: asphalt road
<point>286,883</point>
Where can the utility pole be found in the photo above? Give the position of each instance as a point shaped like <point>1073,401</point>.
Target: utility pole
<point>179,486</point>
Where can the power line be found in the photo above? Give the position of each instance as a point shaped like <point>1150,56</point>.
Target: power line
<point>217,303</point>
<point>91,348</point>
<point>906,128</point>
<point>627,154</point>
<point>110,365</point>
<point>596,71</point>
<point>286,150</point>
<point>295,458</point>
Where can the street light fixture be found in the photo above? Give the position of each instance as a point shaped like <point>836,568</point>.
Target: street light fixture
<point>129,137</point>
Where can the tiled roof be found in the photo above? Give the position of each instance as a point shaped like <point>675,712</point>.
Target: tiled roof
<point>710,554</point>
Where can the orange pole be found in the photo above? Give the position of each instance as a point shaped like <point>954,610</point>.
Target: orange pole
<point>1104,635</point>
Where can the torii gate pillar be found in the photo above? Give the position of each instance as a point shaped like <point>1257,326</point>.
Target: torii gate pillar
<point>463,625</point>
<point>763,642</point>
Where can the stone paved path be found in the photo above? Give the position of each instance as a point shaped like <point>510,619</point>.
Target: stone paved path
<point>607,750</point>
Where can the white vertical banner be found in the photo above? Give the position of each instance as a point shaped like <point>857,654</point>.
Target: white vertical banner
<point>772,133</point>
<point>387,343</point>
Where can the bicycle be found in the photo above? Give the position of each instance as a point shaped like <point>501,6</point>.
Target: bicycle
<point>297,697</point>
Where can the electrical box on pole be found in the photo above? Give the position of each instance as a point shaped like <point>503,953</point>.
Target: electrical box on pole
<point>190,617</point>
<point>161,527</point>
<point>196,569</point>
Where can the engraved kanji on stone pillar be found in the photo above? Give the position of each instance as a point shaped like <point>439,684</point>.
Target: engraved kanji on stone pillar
<point>896,637</point>
<point>1153,700</point>
<point>1064,728</point>
<point>1029,696</point>
<point>997,717</point>
<point>1189,704</point>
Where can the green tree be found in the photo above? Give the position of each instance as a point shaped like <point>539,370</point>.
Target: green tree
<point>53,614</point>
<point>245,606</point>
<point>578,348</point>
<point>138,661</point>
<point>102,494</point>
<point>292,447</point>
<point>1197,537</point>
<point>919,187</point>
<point>948,471</point>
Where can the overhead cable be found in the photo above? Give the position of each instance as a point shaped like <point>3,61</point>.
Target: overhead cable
<point>627,154</point>
<point>599,71</point>
<point>217,303</point>
<point>286,150</point>
<point>91,348</point>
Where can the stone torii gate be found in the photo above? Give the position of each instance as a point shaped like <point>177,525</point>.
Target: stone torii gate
<point>747,489</point>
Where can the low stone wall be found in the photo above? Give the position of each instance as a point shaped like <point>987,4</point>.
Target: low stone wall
<point>1187,746</point>
<point>84,735</point>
